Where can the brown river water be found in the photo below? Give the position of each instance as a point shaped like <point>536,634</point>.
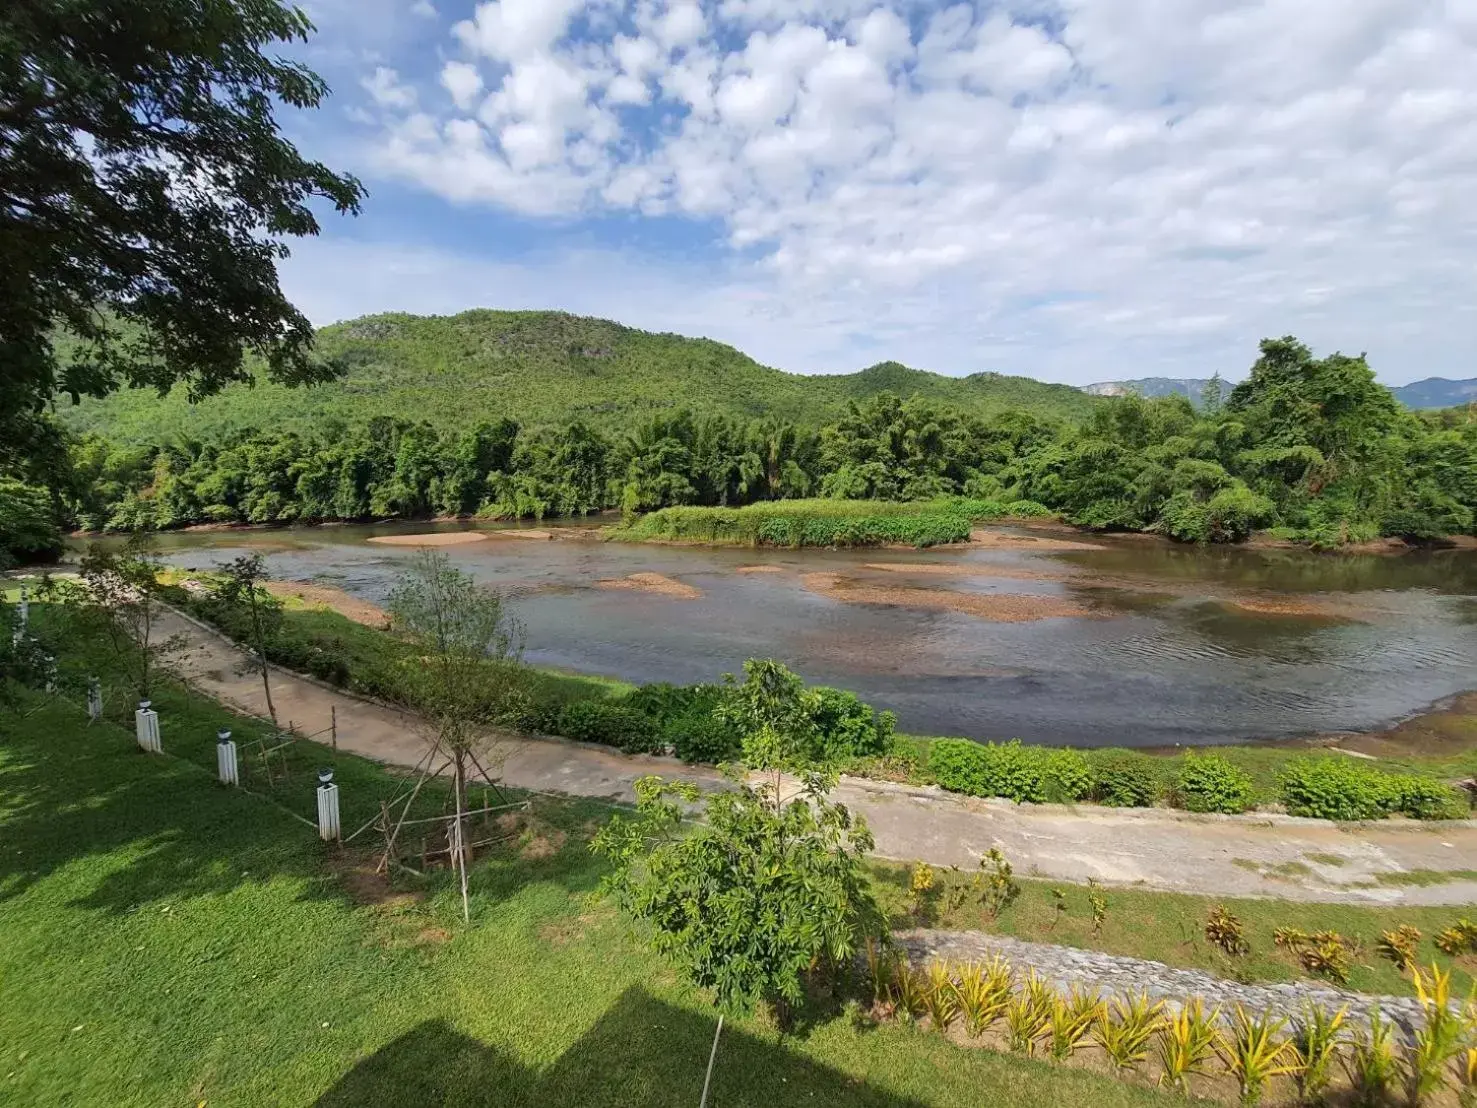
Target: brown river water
<point>1036,634</point>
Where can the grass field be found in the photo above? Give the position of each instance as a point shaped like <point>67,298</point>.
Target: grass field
<point>167,941</point>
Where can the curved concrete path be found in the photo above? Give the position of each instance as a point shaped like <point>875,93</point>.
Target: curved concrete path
<point>1271,855</point>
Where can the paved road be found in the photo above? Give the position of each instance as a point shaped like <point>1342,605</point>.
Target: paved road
<point>1219,856</point>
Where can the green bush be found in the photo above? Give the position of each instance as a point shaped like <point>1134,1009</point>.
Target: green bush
<point>796,523</point>
<point>1028,509</point>
<point>1126,780</point>
<point>1209,783</point>
<point>1021,773</point>
<point>626,729</point>
<point>1425,798</point>
<point>703,737</point>
<point>1335,788</point>
<point>848,727</point>
<point>1067,776</point>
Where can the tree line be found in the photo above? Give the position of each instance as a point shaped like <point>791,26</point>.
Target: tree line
<point>1314,449</point>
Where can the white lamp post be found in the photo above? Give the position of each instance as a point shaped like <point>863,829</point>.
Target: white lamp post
<point>225,758</point>
<point>328,821</point>
<point>146,727</point>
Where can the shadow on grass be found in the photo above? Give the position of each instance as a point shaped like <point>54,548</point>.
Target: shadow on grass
<point>642,1051</point>
<point>161,828</point>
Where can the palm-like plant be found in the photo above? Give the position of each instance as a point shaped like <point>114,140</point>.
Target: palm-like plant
<point>1315,1045</point>
<point>942,998</point>
<point>1072,1017</point>
<point>1253,1052</point>
<point>1126,1027</point>
<point>1439,1039</point>
<point>984,994</point>
<point>1371,1063</point>
<point>1185,1042</point>
<point>909,990</point>
<point>1028,1015</point>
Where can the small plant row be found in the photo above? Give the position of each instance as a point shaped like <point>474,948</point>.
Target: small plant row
<point>992,1003</point>
<point>1325,787</point>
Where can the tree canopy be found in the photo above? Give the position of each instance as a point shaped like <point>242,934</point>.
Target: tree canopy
<point>146,196</point>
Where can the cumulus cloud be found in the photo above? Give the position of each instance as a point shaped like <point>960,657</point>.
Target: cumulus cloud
<point>1148,184</point>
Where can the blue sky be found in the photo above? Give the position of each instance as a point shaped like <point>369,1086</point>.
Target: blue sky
<point>1077,190</point>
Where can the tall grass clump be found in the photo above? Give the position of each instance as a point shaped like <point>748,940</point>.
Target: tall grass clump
<point>796,523</point>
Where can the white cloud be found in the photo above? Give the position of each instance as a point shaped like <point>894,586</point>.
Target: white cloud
<point>463,82</point>
<point>509,30</point>
<point>1143,181</point>
<point>423,8</point>
<point>385,89</point>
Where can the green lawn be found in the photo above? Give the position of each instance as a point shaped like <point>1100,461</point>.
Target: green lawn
<point>167,941</point>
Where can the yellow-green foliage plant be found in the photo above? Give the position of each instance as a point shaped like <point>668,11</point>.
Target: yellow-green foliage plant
<point>1028,1015</point>
<point>1254,1052</point>
<point>1185,1043</point>
<point>1126,1027</point>
<point>1399,946</point>
<point>984,993</point>
<point>878,973</point>
<point>909,990</point>
<point>1439,1039</point>
<point>1315,1047</point>
<point>1072,1017</point>
<point>942,998</point>
<point>1371,1063</point>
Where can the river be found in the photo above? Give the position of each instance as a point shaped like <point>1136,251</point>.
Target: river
<point>1035,634</point>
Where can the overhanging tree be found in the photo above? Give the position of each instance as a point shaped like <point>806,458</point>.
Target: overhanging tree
<point>146,196</point>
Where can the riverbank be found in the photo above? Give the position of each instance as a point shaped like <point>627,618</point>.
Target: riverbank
<point>366,659</point>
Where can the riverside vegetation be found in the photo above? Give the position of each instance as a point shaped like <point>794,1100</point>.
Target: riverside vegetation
<point>1311,449</point>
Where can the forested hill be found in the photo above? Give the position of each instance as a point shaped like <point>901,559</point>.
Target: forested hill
<point>546,367</point>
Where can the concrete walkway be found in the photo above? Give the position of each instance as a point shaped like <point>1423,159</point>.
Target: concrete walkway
<point>1277,856</point>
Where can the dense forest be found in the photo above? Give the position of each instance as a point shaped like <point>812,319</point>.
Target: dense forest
<point>1313,449</point>
<point>540,368</point>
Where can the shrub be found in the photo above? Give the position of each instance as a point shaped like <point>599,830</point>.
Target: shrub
<point>703,736</point>
<point>1209,783</point>
<point>1067,776</point>
<point>1010,770</point>
<point>1424,798</point>
<point>848,727</point>
<point>663,702</point>
<point>1333,788</point>
<point>1126,780</point>
<point>614,725</point>
<point>1028,509</point>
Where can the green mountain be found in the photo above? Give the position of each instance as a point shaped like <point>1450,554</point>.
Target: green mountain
<point>544,367</point>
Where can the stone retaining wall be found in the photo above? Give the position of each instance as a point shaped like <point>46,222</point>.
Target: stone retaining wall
<point>1115,975</point>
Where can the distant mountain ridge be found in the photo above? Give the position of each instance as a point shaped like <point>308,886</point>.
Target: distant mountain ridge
<point>1433,392</point>
<point>540,368</point>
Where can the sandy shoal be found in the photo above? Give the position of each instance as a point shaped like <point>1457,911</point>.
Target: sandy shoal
<point>999,608</point>
<point>655,583</point>
<point>433,538</point>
